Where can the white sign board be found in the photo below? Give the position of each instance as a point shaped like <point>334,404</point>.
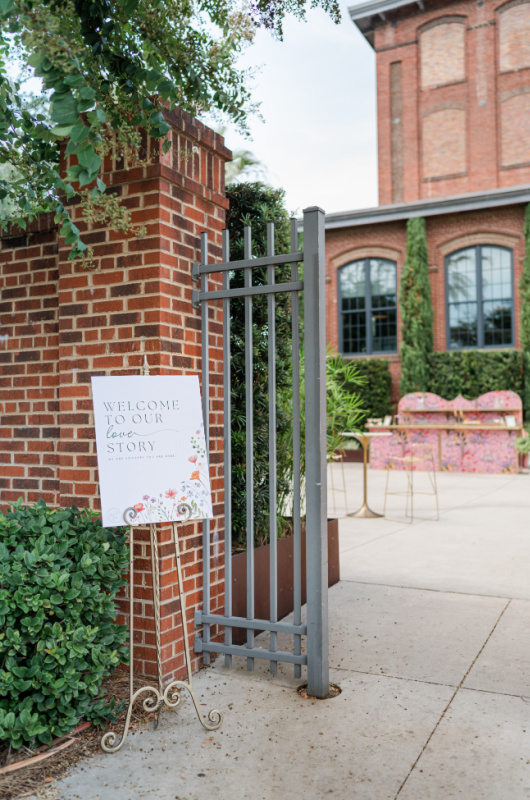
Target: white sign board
<point>151,448</point>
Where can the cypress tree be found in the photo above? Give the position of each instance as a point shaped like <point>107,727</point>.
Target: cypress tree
<point>416,311</point>
<point>524,335</point>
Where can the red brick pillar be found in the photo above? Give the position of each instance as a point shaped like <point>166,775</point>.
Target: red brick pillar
<point>29,363</point>
<point>136,302</point>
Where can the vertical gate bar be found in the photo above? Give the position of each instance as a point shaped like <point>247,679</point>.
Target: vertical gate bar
<point>206,416</point>
<point>297,547</point>
<point>227,423</point>
<point>249,419</point>
<point>315,455</point>
<point>273,536</point>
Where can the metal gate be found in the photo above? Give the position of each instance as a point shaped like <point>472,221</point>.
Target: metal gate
<point>312,285</point>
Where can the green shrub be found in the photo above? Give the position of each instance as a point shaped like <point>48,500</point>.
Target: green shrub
<point>375,391</point>
<point>344,409</point>
<point>344,405</point>
<point>60,572</point>
<point>256,204</point>
<point>475,372</point>
<point>523,445</point>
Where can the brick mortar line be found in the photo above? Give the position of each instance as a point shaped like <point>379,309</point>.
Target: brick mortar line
<point>446,709</point>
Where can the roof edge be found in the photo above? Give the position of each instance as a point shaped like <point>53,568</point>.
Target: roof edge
<point>473,201</point>
<point>365,14</point>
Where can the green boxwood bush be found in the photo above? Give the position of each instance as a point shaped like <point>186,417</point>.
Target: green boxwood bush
<point>375,390</point>
<point>60,572</point>
<point>475,372</point>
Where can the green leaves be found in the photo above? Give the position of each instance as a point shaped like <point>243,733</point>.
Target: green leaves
<point>108,69</point>
<point>64,109</point>
<point>6,6</point>
<point>376,389</point>
<point>59,576</point>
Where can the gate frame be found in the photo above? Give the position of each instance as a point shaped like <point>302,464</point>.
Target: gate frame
<point>313,285</point>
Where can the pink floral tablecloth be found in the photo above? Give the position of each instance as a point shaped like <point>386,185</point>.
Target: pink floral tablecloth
<point>453,450</point>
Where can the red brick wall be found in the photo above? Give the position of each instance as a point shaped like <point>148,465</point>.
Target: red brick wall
<point>442,52</point>
<point>445,234</point>
<point>29,364</point>
<point>476,73</point>
<point>444,145</point>
<point>60,324</point>
<point>514,32</point>
<point>515,124</point>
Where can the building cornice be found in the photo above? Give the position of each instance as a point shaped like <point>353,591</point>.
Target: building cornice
<point>365,15</point>
<point>474,201</point>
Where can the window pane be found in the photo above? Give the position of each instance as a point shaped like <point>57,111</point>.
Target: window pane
<point>495,264</point>
<point>353,299</point>
<point>353,303</point>
<point>364,304</point>
<point>496,274</point>
<point>462,276</point>
<point>352,279</point>
<point>497,323</point>
<point>384,330</point>
<point>383,282</point>
<point>354,333</point>
<point>463,325</point>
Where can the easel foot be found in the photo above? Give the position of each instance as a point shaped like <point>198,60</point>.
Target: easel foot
<point>171,699</point>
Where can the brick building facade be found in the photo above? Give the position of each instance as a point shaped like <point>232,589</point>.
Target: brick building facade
<point>453,101</point>
<point>60,324</point>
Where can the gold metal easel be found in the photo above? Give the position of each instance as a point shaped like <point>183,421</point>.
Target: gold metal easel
<point>170,695</point>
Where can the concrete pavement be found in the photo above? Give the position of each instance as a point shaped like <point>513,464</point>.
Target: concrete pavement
<point>430,644</point>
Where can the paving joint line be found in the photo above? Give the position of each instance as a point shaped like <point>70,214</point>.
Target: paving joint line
<point>394,677</point>
<point>430,589</point>
<point>524,697</point>
<point>446,709</point>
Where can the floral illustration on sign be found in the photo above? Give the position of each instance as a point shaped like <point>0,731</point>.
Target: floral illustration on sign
<point>194,492</point>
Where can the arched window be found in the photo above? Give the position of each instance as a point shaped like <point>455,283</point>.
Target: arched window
<point>368,307</point>
<point>479,297</point>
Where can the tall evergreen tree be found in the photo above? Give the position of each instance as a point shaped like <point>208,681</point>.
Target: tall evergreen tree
<point>524,335</point>
<point>256,204</point>
<point>416,311</point>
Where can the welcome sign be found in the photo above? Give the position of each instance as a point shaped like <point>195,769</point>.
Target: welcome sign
<point>151,448</point>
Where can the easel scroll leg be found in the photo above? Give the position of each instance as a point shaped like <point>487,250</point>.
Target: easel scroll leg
<point>215,717</point>
<point>150,704</point>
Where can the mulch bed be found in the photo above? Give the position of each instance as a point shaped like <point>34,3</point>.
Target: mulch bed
<point>26,773</point>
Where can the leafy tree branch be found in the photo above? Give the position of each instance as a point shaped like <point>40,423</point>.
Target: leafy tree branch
<point>110,68</point>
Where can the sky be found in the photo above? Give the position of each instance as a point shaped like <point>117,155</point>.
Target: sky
<point>317,95</point>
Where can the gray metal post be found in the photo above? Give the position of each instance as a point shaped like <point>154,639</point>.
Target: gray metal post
<point>205,356</point>
<point>315,454</point>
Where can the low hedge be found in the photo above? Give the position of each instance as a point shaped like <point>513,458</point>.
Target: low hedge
<point>375,392</point>
<point>60,572</point>
<point>475,372</point>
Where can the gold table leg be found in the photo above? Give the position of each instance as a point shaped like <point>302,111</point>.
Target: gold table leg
<point>365,511</point>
